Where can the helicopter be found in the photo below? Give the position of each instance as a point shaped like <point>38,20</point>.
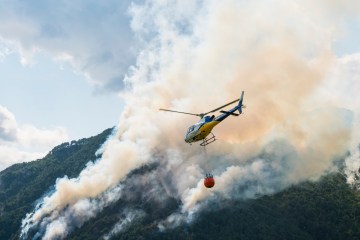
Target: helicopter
<point>202,129</point>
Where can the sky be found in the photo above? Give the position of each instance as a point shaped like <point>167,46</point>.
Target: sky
<point>62,66</point>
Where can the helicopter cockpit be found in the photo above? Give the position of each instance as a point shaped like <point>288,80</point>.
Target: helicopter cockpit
<point>195,127</point>
<point>191,129</point>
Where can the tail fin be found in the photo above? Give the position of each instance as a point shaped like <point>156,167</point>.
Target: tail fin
<point>240,102</point>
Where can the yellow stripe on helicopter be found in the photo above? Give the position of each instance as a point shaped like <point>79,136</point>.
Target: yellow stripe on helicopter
<point>206,129</point>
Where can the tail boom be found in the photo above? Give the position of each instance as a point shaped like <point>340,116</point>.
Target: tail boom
<point>231,112</point>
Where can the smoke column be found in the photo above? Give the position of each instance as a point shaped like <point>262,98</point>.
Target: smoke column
<point>198,55</point>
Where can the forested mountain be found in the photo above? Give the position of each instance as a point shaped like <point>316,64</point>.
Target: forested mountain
<point>326,209</point>
<point>22,184</point>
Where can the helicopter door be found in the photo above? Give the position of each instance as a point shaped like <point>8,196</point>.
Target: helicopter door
<point>197,126</point>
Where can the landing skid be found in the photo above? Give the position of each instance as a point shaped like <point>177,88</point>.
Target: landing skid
<point>208,140</point>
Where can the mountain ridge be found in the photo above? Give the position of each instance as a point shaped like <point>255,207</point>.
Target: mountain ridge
<point>22,184</point>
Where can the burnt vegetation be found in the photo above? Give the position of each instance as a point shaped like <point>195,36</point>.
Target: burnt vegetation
<point>326,209</point>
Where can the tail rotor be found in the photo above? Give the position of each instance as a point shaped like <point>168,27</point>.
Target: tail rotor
<point>240,105</point>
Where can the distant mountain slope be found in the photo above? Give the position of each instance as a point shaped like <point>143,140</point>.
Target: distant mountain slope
<point>22,184</point>
<point>327,209</point>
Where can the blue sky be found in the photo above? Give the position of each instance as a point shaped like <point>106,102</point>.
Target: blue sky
<point>48,94</point>
<point>62,65</point>
<point>348,41</point>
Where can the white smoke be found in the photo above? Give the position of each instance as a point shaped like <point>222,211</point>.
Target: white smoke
<point>352,169</point>
<point>198,55</point>
<point>129,216</point>
<point>56,225</point>
<point>348,68</point>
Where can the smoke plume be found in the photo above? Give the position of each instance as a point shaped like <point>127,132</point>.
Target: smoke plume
<point>198,55</point>
<point>129,216</point>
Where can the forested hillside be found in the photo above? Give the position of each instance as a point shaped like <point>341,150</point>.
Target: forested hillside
<point>22,184</point>
<point>326,209</point>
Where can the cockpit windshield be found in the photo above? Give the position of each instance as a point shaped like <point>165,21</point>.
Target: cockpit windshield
<point>191,129</point>
<point>195,127</point>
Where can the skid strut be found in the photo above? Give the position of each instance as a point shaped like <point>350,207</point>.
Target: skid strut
<point>208,140</point>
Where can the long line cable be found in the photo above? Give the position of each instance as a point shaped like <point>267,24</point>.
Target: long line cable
<point>208,172</point>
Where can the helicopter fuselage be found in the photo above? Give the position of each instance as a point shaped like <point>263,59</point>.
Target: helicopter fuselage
<point>199,131</point>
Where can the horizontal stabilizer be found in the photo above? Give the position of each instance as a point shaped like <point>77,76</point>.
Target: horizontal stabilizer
<point>230,113</point>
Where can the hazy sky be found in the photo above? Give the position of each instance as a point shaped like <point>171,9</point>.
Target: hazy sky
<point>62,65</point>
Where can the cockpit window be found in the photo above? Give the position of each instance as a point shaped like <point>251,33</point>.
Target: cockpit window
<point>191,129</point>
<point>195,127</point>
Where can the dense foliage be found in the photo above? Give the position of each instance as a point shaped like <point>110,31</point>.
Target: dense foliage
<point>326,209</point>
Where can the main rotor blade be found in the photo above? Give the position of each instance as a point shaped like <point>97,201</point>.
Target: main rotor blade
<point>222,106</point>
<point>167,110</point>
